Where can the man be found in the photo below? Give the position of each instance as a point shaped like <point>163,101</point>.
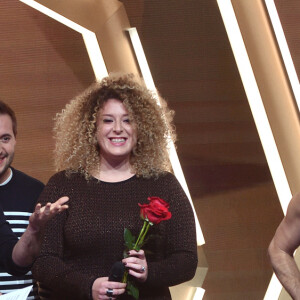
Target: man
<point>18,195</point>
<point>285,241</point>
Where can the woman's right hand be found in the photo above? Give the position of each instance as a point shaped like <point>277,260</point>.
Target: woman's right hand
<point>101,286</point>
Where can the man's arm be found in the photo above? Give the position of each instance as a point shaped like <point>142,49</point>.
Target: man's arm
<point>28,247</point>
<point>285,241</point>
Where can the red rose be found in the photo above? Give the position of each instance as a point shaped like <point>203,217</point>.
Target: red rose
<point>156,211</point>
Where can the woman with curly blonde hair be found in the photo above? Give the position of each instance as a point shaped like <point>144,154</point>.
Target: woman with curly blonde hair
<point>75,152</point>
<point>112,153</point>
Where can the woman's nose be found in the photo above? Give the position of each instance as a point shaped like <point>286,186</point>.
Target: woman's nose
<point>118,127</point>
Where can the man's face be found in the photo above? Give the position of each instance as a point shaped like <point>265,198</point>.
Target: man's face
<point>7,146</point>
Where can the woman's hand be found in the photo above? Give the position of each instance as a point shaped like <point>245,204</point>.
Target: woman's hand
<point>103,289</point>
<point>136,265</point>
<point>42,215</point>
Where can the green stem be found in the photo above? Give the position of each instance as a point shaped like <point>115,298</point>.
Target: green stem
<point>138,242</point>
<point>144,234</point>
<point>140,235</point>
<point>125,275</point>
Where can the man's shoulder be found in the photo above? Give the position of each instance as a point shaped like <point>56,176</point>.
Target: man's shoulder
<point>23,178</point>
<point>21,193</point>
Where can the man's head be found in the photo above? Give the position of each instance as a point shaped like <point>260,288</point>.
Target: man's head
<point>8,132</point>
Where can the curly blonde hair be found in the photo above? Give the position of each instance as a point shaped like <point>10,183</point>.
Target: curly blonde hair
<point>75,127</point>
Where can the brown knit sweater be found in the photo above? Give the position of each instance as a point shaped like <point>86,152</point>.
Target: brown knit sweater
<point>82,243</point>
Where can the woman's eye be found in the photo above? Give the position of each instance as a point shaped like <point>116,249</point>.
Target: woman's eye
<point>126,121</point>
<point>107,120</point>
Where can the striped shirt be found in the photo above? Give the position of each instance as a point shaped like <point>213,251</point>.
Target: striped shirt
<point>18,198</point>
<point>18,222</point>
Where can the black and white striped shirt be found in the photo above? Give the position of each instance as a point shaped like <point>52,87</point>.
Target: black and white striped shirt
<point>18,197</point>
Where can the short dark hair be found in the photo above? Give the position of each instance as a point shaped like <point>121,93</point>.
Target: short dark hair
<point>6,110</point>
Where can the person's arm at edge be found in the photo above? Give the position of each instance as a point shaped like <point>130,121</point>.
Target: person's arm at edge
<point>285,241</point>
<point>28,247</point>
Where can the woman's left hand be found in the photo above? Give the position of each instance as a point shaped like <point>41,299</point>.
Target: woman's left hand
<point>136,265</point>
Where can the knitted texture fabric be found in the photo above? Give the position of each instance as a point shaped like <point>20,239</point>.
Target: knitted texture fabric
<point>82,243</point>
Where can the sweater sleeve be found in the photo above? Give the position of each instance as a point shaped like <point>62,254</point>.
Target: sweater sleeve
<point>50,268</point>
<point>7,243</point>
<point>180,247</point>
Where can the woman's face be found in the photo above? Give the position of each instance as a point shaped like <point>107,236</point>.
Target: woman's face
<point>116,135</point>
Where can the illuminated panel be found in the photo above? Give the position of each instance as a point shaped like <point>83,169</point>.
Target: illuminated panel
<point>172,152</point>
<point>89,37</point>
<point>199,294</point>
<point>140,55</point>
<point>255,102</point>
<point>260,118</point>
<point>284,49</point>
<point>274,289</point>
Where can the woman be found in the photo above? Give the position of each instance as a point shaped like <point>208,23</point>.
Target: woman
<point>111,142</point>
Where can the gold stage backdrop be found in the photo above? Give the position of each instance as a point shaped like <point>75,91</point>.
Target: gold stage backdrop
<point>43,64</point>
